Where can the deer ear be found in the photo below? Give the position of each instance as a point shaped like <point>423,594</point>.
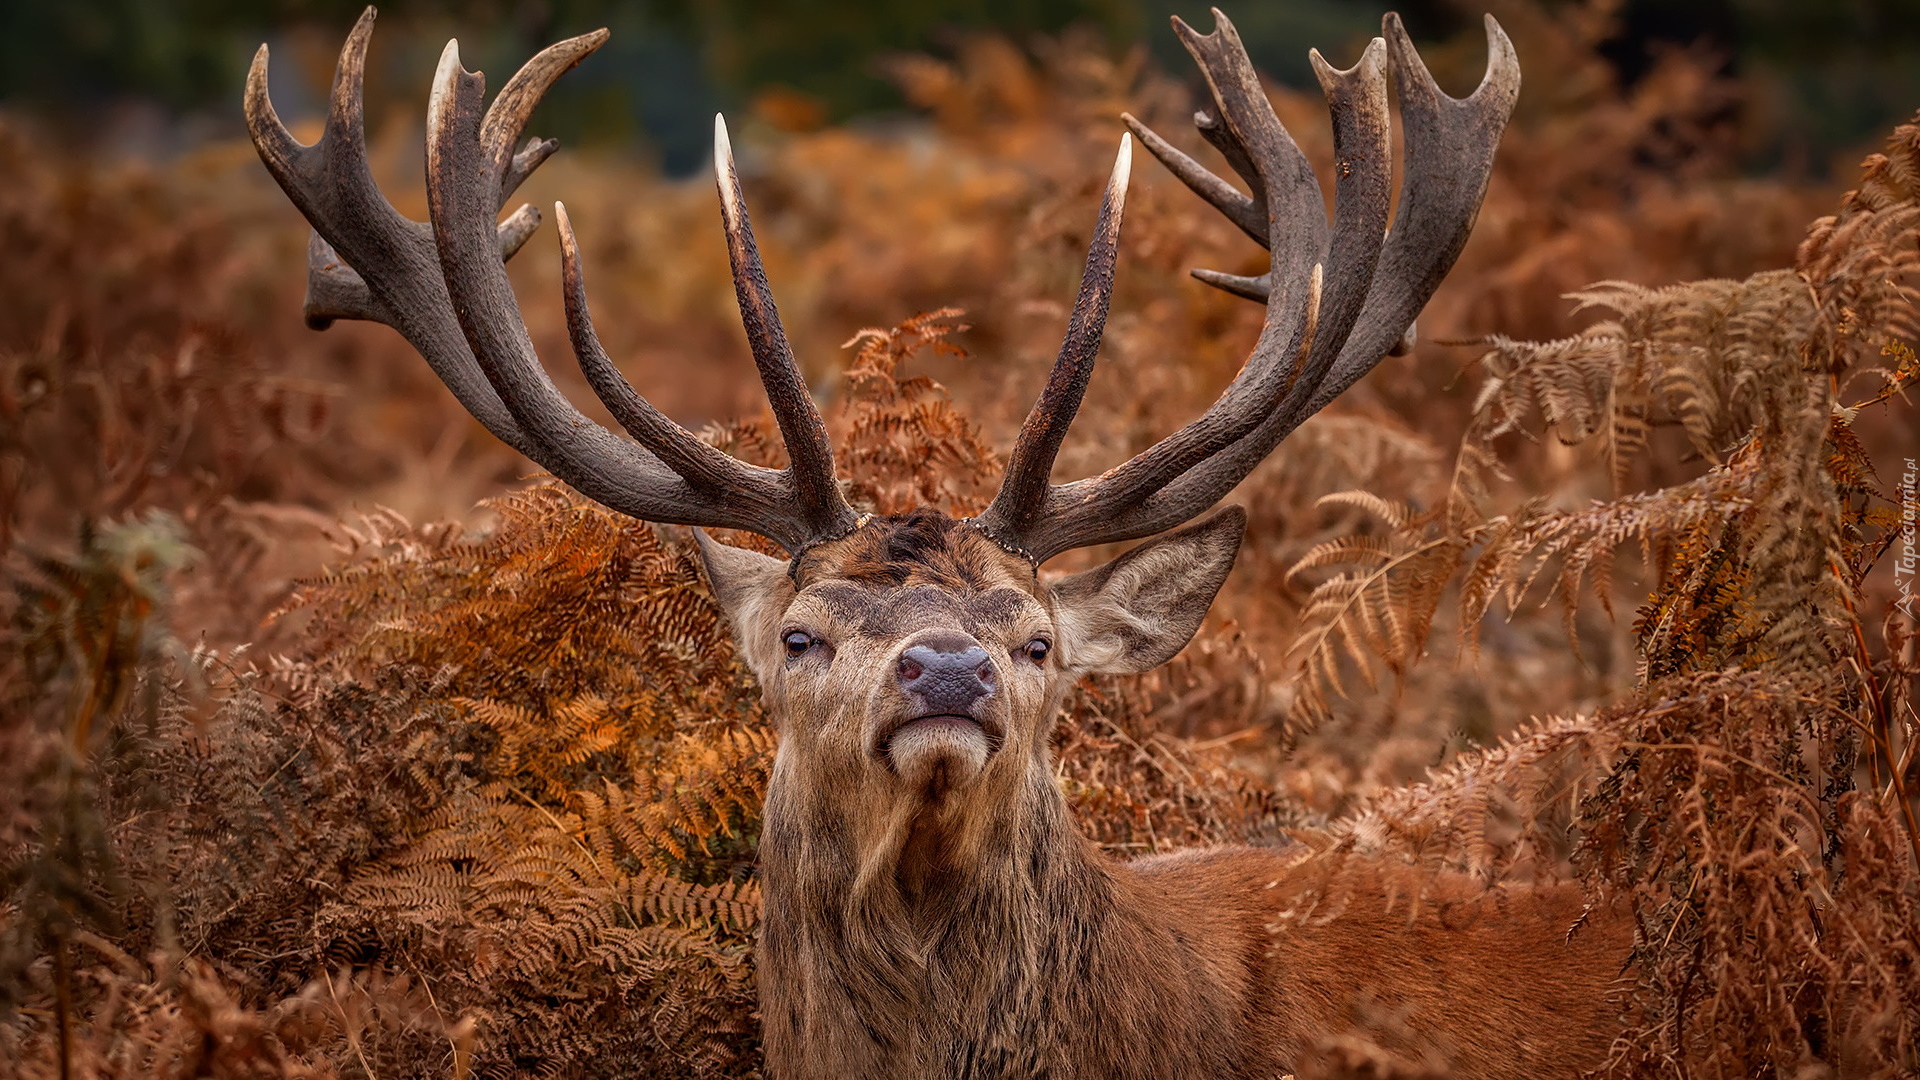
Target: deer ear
<point>753,589</point>
<point>1139,610</point>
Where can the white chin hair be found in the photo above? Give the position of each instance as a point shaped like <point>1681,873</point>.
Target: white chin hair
<point>938,753</point>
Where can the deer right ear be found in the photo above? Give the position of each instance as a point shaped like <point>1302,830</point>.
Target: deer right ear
<point>1136,612</point>
<point>753,589</point>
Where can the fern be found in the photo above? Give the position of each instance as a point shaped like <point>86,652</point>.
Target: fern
<point>1726,362</point>
<point>1721,800</point>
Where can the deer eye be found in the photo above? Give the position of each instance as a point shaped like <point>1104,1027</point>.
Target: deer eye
<point>1037,650</point>
<point>797,642</point>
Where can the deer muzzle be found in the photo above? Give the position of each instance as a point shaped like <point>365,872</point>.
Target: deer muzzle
<point>947,729</point>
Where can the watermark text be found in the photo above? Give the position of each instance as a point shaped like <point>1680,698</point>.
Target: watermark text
<point>1903,563</point>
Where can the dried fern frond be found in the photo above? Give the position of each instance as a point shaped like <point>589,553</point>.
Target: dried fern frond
<point>1778,897</point>
<point>1743,369</point>
<point>902,442</point>
<point>1491,813</point>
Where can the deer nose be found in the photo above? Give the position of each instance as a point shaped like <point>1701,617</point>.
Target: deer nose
<point>946,681</point>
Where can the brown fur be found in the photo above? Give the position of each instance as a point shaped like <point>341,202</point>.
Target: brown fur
<point>925,547</point>
<point>944,918</point>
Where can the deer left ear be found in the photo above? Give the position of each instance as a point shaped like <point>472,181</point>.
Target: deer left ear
<point>753,590</point>
<point>1138,611</point>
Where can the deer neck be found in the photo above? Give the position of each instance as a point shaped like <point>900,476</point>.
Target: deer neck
<point>891,938</point>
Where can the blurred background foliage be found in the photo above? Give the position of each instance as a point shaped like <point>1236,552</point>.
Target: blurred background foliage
<point>154,74</point>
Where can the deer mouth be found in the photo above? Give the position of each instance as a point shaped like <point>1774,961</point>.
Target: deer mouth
<point>937,728</point>
<point>937,753</point>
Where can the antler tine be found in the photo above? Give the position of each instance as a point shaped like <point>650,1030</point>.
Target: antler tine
<point>278,149</point>
<point>334,290</point>
<point>1251,137</point>
<point>1362,147</point>
<point>366,261</point>
<point>463,175</point>
<point>1246,288</point>
<point>507,118</point>
<point>805,433</point>
<point>1360,123</point>
<point>704,467</point>
<point>1450,144</point>
<point>1238,208</point>
<point>1023,492</point>
<point>1245,130</point>
<point>461,181</point>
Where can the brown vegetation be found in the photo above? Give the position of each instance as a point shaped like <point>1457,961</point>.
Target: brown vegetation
<point>483,798</point>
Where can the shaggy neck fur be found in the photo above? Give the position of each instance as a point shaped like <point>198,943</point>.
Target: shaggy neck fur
<point>995,943</point>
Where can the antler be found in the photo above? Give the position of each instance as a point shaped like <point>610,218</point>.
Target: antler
<point>1336,302</point>
<point>443,286</point>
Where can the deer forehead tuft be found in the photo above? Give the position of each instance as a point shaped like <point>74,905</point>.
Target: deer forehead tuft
<point>925,547</point>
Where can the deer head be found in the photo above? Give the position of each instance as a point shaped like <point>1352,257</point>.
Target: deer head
<point>914,664</point>
<point>914,667</point>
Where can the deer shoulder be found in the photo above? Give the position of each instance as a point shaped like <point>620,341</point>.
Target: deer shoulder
<point>1440,970</point>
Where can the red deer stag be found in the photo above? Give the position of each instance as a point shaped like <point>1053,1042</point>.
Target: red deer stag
<point>931,911</point>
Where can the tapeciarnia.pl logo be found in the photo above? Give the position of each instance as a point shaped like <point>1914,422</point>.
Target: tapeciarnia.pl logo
<point>1903,566</point>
